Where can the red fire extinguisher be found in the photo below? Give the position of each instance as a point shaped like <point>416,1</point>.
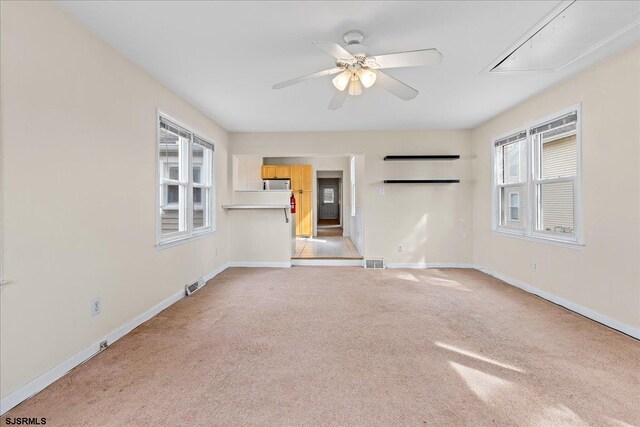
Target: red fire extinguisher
<point>293,204</point>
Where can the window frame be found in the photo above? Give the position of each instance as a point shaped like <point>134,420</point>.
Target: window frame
<point>529,232</point>
<point>190,233</point>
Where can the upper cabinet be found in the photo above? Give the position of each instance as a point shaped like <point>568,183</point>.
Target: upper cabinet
<point>276,172</point>
<point>283,171</point>
<point>268,172</point>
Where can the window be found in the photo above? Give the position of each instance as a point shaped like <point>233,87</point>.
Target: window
<point>327,195</point>
<point>514,206</point>
<point>353,185</point>
<point>511,157</point>
<point>555,169</point>
<point>537,180</point>
<point>186,195</point>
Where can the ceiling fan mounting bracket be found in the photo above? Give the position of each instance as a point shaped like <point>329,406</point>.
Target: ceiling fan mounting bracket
<point>354,46</point>
<point>353,37</point>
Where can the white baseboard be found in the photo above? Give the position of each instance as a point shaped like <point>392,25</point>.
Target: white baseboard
<point>260,264</point>
<point>215,272</point>
<point>328,262</point>
<point>600,318</point>
<point>49,377</point>
<point>427,265</point>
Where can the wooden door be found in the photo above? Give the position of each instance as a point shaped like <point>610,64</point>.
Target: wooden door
<point>304,215</point>
<point>268,172</point>
<point>307,178</point>
<point>283,171</point>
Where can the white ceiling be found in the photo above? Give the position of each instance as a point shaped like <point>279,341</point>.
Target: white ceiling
<point>223,57</point>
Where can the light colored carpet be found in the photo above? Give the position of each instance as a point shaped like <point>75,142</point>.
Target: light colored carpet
<point>336,346</point>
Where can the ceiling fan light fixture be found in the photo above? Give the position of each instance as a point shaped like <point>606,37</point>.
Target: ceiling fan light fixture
<point>367,77</point>
<point>356,67</point>
<point>355,87</point>
<point>341,81</point>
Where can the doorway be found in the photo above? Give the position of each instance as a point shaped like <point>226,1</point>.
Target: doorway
<point>332,218</point>
<point>329,207</point>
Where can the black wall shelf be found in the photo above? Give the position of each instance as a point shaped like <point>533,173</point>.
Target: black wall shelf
<point>423,157</point>
<point>421,181</point>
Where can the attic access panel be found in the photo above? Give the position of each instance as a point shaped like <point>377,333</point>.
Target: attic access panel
<point>571,31</point>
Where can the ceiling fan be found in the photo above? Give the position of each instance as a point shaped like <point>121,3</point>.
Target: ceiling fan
<point>357,68</point>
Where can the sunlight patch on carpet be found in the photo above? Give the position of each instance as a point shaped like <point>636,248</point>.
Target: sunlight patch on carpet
<point>483,385</point>
<point>477,356</point>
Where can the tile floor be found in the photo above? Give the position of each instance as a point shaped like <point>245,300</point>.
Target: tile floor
<point>326,247</point>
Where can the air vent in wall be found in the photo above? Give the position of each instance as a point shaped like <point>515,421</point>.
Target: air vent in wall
<point>374,263</point>
<point>191,288</point>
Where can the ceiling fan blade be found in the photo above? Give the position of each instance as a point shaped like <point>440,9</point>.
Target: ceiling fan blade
<point>338,99</point>
<point>396,87</point>
<point>335,50</point>
<point>328,72</point>
<point>414,58</point>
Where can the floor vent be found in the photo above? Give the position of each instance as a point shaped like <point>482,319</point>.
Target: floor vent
<point>194,286</point>
<point>374,263</point>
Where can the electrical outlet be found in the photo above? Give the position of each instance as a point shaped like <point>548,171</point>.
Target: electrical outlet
<point>534,266</point>
<point>381,191</point>
<point>96,305</point>
<point>400,248</point>
<point>104,345</point>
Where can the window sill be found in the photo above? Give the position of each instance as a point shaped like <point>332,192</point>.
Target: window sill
<point>545,240</point>
<point>184,239</point>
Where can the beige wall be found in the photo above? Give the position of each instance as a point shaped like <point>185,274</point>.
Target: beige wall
<point>78,172</point>
<point>604,276</point>
<point>432,222</point>
<point>264,237</point>
<point>260,236</point>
